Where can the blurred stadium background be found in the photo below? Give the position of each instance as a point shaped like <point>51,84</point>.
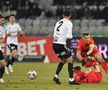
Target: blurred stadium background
<point>38,17</point>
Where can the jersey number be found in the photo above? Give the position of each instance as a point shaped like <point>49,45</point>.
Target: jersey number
<point>60,23</point>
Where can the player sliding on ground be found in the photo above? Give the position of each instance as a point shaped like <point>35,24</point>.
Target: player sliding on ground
<point>88,74</point>
<point>86,47</point>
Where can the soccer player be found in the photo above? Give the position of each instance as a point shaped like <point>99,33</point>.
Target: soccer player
<point>13,29</point>
<point>88,75</point>
<point>2,60</point>
<point>62,32</point>
<point>86,47</point>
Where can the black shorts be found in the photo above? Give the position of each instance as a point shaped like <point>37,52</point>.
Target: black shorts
<point>12,47</point>
<point>1,55</point>
<point>62,51</point>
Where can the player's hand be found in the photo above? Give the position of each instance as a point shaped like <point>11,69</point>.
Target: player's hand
<point>83,62</point>
<point>8,34</point>
<point>89,59</point>
<point>1,38</point>
<point>85,55</point>
<point>82,77</point>
<point>21,33</point>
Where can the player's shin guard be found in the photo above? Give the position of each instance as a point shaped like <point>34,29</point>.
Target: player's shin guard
<point>70,70</point>
<point>2,71</point>
<point>104,66</point>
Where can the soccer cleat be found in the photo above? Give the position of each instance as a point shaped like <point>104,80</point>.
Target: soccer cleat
<point>11,68</point>
<point>1,80</point>
<point>73,83</point>
<point>56,80</point>
<point>6,71</point>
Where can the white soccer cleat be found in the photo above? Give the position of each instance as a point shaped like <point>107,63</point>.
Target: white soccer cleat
<point>6,71</point>
<point>1,80</point>
<point>10,68</point>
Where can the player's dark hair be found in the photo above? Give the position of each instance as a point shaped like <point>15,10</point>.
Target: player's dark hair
<point>85,34</point>
<point>11,15</point>
<point>1,16</point>
<point>77,68</point>
<point>67,13</point>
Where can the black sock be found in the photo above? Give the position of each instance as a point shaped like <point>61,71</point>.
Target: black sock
<point>59,68</point>
<point>12,60</point>
<point>2,71</point>
<point>8,60</point>
<point>70,70</point>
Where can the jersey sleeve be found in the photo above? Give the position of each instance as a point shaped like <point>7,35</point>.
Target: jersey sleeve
<point>5,28</point>
<point>19,28</point>
<point>69,34</point>
<point>79,46</point>
<point>91,45</point>
<point>3,34</point>
<point>92,41</point>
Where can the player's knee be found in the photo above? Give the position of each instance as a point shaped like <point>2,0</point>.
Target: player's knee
<point>69,60</point>
<point>14,54</point>
<point>78,56</point>
<point>2,64</point>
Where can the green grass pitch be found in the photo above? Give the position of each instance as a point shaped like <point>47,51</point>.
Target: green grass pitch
<point>18,80</point>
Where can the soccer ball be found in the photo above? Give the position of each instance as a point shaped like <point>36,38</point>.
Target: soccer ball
<point>32,74</point>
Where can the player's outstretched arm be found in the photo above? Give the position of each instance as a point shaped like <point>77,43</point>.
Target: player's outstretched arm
<point>8,34</point>
<point>79,56</point>
<point>91,47</point>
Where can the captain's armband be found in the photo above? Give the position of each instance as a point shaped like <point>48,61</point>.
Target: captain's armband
<point>91,46</point>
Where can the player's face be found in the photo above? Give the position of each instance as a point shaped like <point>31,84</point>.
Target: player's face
<point>87,39</point>
<point>1,21</point>
<point>12,19</point>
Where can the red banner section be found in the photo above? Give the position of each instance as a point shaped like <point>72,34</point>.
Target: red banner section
<point>41,45</point>
<point>38,46</point>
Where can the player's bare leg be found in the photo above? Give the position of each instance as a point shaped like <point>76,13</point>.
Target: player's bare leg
<point>102,63</point>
